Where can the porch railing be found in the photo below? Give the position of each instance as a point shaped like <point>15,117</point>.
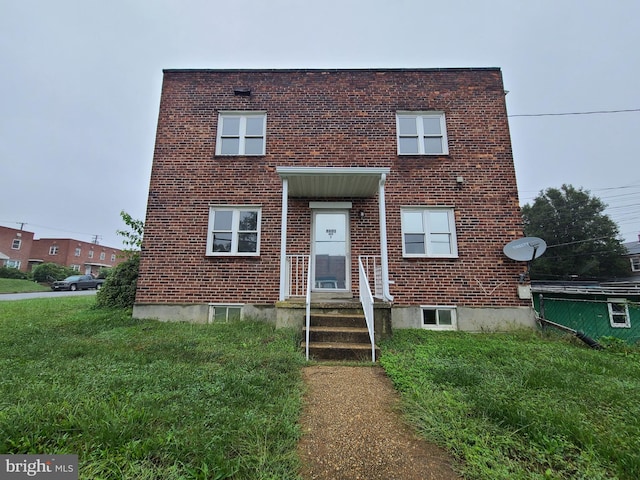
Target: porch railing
<point>307,303</point>
<point>366,299</point>
<point>298,275</point>
<point>373,269</point>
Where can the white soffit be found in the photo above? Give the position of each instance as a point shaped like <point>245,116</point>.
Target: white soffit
<point>332,181</point>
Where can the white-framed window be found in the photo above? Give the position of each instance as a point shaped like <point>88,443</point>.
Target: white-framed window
<point>77,252</point>
<point>90,253</point>
<point>234,230</point>
<point>13,264</point>
<point>113,257</point>
<point>618,313</point>
<point>75,267</point>
<point>429,232</point>
<point>102,255</point>
<point>53,250</point>
<point>635,264</point>
<point>16,244</point>
<point>224,313</point>
<point>439,317</point>
<point>421,133</point>
<point>241,133</point>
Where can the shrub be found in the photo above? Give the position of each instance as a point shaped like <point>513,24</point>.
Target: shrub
<point>119,289</point>
<point>48,272</point>
<point>6,272</point>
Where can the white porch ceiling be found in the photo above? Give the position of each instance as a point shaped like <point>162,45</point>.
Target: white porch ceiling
<point>332,181</point>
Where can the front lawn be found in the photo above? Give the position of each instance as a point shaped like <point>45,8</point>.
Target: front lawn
<point>145,399</point>
<point>521,406</point>
<point>12,285</point>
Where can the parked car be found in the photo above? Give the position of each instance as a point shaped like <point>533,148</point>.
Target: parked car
<point>78,282</point>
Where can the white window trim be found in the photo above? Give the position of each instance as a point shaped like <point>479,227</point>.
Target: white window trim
<point>635,264</point>
<point>16,244</point>
<point>227,306</point>
<point>452,231</point>
<point>234,232</point>
<point>437,308</point>
<point>242,115</point>
<point>420,131</point>
<point>620,301</point>
<point>53,250</point>
<point>77,252</point>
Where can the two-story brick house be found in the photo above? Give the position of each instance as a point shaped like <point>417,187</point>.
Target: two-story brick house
<point>85,257</point>
<point>261,177</point>
<point>15,248</point>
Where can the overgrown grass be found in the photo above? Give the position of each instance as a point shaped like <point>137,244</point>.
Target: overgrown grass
<point>11,285</point>
<point>145,399</point>
<point>519,406</point>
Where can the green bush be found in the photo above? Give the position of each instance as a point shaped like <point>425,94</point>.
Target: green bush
<point>48,272</point>
<point>6,272</point>
<point>104,272</point>
<point>119,289</point>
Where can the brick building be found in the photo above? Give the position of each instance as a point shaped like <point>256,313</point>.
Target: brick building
<point>84,257</point>
<point>15,248</point>
<point>260,176</point>
<point>24,253</point>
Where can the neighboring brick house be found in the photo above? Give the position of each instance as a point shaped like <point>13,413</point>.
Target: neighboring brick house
<point>15,248</point>
<point>84,257</point>
<point>257,171</point>
<point>18,249</point>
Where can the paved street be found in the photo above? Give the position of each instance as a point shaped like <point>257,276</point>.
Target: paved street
<point>26,296</point>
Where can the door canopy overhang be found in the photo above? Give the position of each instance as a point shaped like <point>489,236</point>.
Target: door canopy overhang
<point>332,181</point>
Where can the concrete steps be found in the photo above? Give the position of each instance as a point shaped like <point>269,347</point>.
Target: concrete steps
<point>335,336</point>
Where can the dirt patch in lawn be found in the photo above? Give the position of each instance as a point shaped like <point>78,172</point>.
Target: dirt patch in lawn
<point>352,430</point>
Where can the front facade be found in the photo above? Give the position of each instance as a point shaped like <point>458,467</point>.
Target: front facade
<point>15,248</point>
<point>263,179</point>
<point>84,257</point>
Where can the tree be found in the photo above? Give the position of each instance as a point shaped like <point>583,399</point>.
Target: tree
<point>583,241</point>
<point>119,289</point>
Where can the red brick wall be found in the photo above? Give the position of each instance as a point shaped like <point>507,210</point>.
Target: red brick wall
<point>7,236</point>
<point>331,118</point>
<point>66,253</point>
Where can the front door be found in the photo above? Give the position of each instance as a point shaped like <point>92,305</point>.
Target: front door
<point>330,251</point>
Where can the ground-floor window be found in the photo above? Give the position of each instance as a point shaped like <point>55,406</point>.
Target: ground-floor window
<point>618,313</point>
<point>439,318</point>
<point>12,263</point>
<point>224,313</point>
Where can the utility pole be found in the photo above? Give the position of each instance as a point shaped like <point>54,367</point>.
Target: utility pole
<point>96,239</point>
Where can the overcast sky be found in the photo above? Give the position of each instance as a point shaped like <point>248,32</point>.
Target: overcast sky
<point>80,87</point>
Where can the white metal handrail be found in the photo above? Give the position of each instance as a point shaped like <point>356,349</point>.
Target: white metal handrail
<point>308,306</point>
<point>366,299</point>
<point>297,275</point>
<point>373,269</point>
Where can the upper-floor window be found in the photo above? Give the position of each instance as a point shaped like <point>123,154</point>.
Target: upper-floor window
<point>102,255</point>
<point>53,250</point>
<point>618,313</point>
<point>234,230</point>
<point>635,264</point>
<point>16,244</point>
<point>241,133</point>
<point>113,257</point>
<point>90,253</point>
<point>421,133</point>
<point>428,232</point>
<point>78,251</point>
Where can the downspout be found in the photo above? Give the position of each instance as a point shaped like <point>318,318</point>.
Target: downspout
<point>283,239</point>
<point>384,254</point>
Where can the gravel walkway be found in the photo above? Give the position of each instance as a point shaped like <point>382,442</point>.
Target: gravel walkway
<point>351,430</point>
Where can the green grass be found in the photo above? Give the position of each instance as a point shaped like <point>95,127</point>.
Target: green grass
<point>519,406</point>
<point>10,285</point>
<point>145,399</point>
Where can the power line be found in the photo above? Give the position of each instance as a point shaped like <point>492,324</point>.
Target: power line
<point>595,112</point>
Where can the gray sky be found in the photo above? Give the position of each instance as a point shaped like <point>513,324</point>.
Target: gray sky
<point>80,87</point>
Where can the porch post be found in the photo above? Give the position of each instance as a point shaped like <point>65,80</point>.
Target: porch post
<point>384,260</point>
<point>283,239</point>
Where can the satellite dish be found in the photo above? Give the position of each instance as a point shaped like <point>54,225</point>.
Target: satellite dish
<point>525,249</point>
